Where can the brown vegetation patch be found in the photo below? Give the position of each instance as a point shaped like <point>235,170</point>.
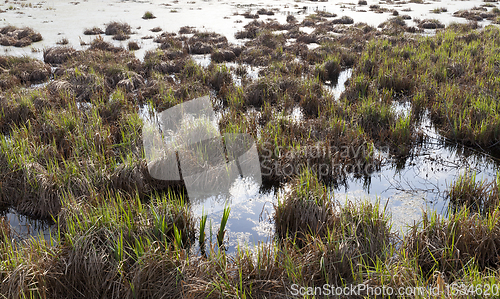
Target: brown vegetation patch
<point>58,55</point>
<point>187,30</point>
<point>115,28</point>
<point>93,31</point>
<point>133,46</point>
<point>206,42</point>
<point>430,24</point>
<point>27,70</point>
<point>266,12</point>
<point>99,44</point>
<point>121,36</point>
<point>14,113</point>
<point>18,37</point>
<point>477,14</point>
<point>478,196</point>
<point>396,26</point>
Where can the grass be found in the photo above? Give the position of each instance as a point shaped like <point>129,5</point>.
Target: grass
<point>479,196</point>
<point>222,228</point>
<point>148,15</point>
<point>116,28</point>
<point>452,245</point>
<point>439,10</point>
<point>72,151</point>
<point>93,31</point>
<point>133,46</point>
<point>18,37</point>
<point>457,115</point>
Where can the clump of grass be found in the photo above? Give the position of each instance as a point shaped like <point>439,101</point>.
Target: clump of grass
<point>439,10</point>
<point>266,12</point>
<point>450,245</point>
<point>306,210</point>
<point>248,15</point>
<point>133,46</point>
<point>155,29</point>
<point>28,71</point>
<point>115,28</point>
<point>58,55</point>
<point>93,31</point>
<point>478,196</point>
<point>343,20</point>
<point>375,117</point>
<point>157,273</point>
<point>402,135</point>
<point>100,44</point>
<point>121,36</point>
<point>329,70</point>
<point>430,24</point>
<point>148,15</point>
<point>359,239</point>
<point>187,30</point>
<point>18,37</point>
<point>223,55</point>
<point>63,41</point>
<point>220,78</point>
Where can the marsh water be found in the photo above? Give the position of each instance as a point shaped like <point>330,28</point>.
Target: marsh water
<point>408,187</point>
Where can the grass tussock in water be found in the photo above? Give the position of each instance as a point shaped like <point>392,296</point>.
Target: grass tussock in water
<point>477,195</point>
<point>18,37</point>
<point>93,31</point>
<point>452,245</point>
<point>58,55</point>
<point>307,210</point>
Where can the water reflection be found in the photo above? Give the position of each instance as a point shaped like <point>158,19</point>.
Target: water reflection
<point>24,227</point>
<point>419,181</point>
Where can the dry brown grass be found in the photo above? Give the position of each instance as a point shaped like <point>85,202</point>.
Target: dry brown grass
<point>99,44</point>
<point>479,196</point>
<point>133,46</point>
<point>14,113</point>
<point>259,274</point>
<point>87,269</point>
<point>27,70</point>
<point>449,245</point>
<point>93,31</point>
<point>58,55</point>
<point>306,210</point>
<point>158,275</point>
<point>114,28</point>
<point>18,37</point>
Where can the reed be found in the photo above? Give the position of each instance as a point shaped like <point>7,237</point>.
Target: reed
<point>222,227</point>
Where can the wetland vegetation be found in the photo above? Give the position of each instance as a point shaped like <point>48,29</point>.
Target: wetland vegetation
<point>72,154</point>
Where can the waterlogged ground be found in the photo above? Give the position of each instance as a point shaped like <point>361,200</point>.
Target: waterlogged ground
<point>420,182</point>
<point>58,20</point>
<point>408,187</point>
